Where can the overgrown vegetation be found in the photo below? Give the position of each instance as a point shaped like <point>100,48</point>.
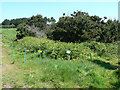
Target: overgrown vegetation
<point>79,27</point>
<point>36,26</point>
<point>57,50</point>
<point>79,72</point>
<point>79,33</point>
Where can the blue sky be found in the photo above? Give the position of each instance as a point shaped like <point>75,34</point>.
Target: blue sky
<point>12,10</point>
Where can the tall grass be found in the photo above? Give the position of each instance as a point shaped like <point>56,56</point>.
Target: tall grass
<point>57,73</point>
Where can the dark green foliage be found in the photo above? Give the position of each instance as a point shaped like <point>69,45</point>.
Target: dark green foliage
<point>22,31</point>
<point>14,22</point>
<point>80,27</point>
<point>109,32</point>
<point>6,22</point>
<point>38,21</point>
<point>35,26</point>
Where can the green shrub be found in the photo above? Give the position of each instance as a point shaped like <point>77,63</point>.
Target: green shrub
<point>103,49</point>
<point>53,49</point>
<point>57,50</point>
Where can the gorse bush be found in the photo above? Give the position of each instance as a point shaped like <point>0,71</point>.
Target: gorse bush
<point>56,49</point>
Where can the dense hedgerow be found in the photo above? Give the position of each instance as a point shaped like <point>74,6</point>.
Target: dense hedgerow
<point>56,49</point>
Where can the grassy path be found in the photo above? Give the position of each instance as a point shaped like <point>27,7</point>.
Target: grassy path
<point>9,71</point>
<point>12,74</point>
<point>6,68</point>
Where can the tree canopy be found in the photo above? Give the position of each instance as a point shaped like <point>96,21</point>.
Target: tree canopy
<point>15,22</point>
<point>35,26</point>
<point>78,27</point>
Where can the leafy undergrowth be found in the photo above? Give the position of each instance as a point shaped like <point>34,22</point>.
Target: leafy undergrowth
<point>58,72</point>
<point>51,73</point>
<point>57,50</point>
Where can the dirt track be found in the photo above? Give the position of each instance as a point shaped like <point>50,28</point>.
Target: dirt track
<point>5,68</point>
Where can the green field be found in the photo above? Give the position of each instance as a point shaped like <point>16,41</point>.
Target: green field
<point>54,70</point>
